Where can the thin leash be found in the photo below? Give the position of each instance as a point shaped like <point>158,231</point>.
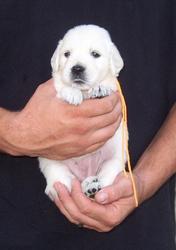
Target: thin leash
<point>125,144</point>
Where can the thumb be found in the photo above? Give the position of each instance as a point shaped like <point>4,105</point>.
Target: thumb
<point>121,188</point>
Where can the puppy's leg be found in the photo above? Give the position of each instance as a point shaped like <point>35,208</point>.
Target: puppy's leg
<point>110,169</point>
<point>55,171</point>
<point>113,166</point>
<point>106,176</point>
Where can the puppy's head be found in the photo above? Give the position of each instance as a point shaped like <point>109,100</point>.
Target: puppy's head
<point>85,57</point>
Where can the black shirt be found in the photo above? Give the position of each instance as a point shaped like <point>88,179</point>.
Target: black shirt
<point>145,33</point>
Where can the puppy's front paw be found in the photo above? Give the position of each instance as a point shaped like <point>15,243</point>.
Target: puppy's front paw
<point>71,95</point>
<point>90,186</point>
<point>100,91</point>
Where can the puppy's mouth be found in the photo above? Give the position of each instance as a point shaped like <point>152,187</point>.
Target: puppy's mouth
<point>79,81</point>
<point>80,84</point>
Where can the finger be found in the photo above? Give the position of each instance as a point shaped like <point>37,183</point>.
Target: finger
<point>66,200</point>
<point>100,230</point>
<point>71,211</point>
<point>83,151</point>
<point>107,119</point>
<point>103,134</point>
<point>98,138</point>
<point>86,205</point>
<point>111,214</point>
<point>121,188</point>
<point>64,211</point>
<point>105,214</point>
<point>96,107</point>
<point>92,148</point>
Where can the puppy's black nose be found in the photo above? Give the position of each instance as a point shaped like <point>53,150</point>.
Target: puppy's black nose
<point>77,69</point>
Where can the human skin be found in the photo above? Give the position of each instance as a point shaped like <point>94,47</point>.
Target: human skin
<point>114,203</point>
<point>49,127</point>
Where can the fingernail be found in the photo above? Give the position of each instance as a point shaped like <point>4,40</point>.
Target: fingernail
<point>102,197</point>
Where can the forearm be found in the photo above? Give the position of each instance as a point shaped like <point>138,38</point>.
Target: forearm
<point>158,162</point>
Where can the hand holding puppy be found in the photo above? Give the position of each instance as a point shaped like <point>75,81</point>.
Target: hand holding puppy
<point>152,170</point>
<point>111,206</point>
<point>47,126</point>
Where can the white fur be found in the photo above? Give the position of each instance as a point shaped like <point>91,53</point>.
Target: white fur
<point>99,80</point>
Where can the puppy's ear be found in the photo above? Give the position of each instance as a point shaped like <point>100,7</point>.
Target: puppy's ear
<point>116,60</point>
<point>55,57</point>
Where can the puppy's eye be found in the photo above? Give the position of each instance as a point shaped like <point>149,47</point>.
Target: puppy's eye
<point>67,54</point>
<point>95,54</point>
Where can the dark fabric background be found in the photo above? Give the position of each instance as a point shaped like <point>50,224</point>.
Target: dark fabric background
<point>145,33</point>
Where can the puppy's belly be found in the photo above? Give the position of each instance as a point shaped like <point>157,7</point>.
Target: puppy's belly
<point>89,165</point>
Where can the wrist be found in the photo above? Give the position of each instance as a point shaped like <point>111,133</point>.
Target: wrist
<point>9,132</point>
<point>148,176</point>
<point>143,183</point>
<point>151,174</point>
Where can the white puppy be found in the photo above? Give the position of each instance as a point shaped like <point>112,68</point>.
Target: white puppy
<point>85,65</point>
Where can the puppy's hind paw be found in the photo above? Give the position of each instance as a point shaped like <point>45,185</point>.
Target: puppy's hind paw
<point>90,186</point>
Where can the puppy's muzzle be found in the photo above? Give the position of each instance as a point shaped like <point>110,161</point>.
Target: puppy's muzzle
<point>78,75</point>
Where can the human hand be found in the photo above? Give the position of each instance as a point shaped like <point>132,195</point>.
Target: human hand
<point>152,170</point>
<point>110,207</point>
<point>51,128</point>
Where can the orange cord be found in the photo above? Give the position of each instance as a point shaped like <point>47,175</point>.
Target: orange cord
<point>125,143</point>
